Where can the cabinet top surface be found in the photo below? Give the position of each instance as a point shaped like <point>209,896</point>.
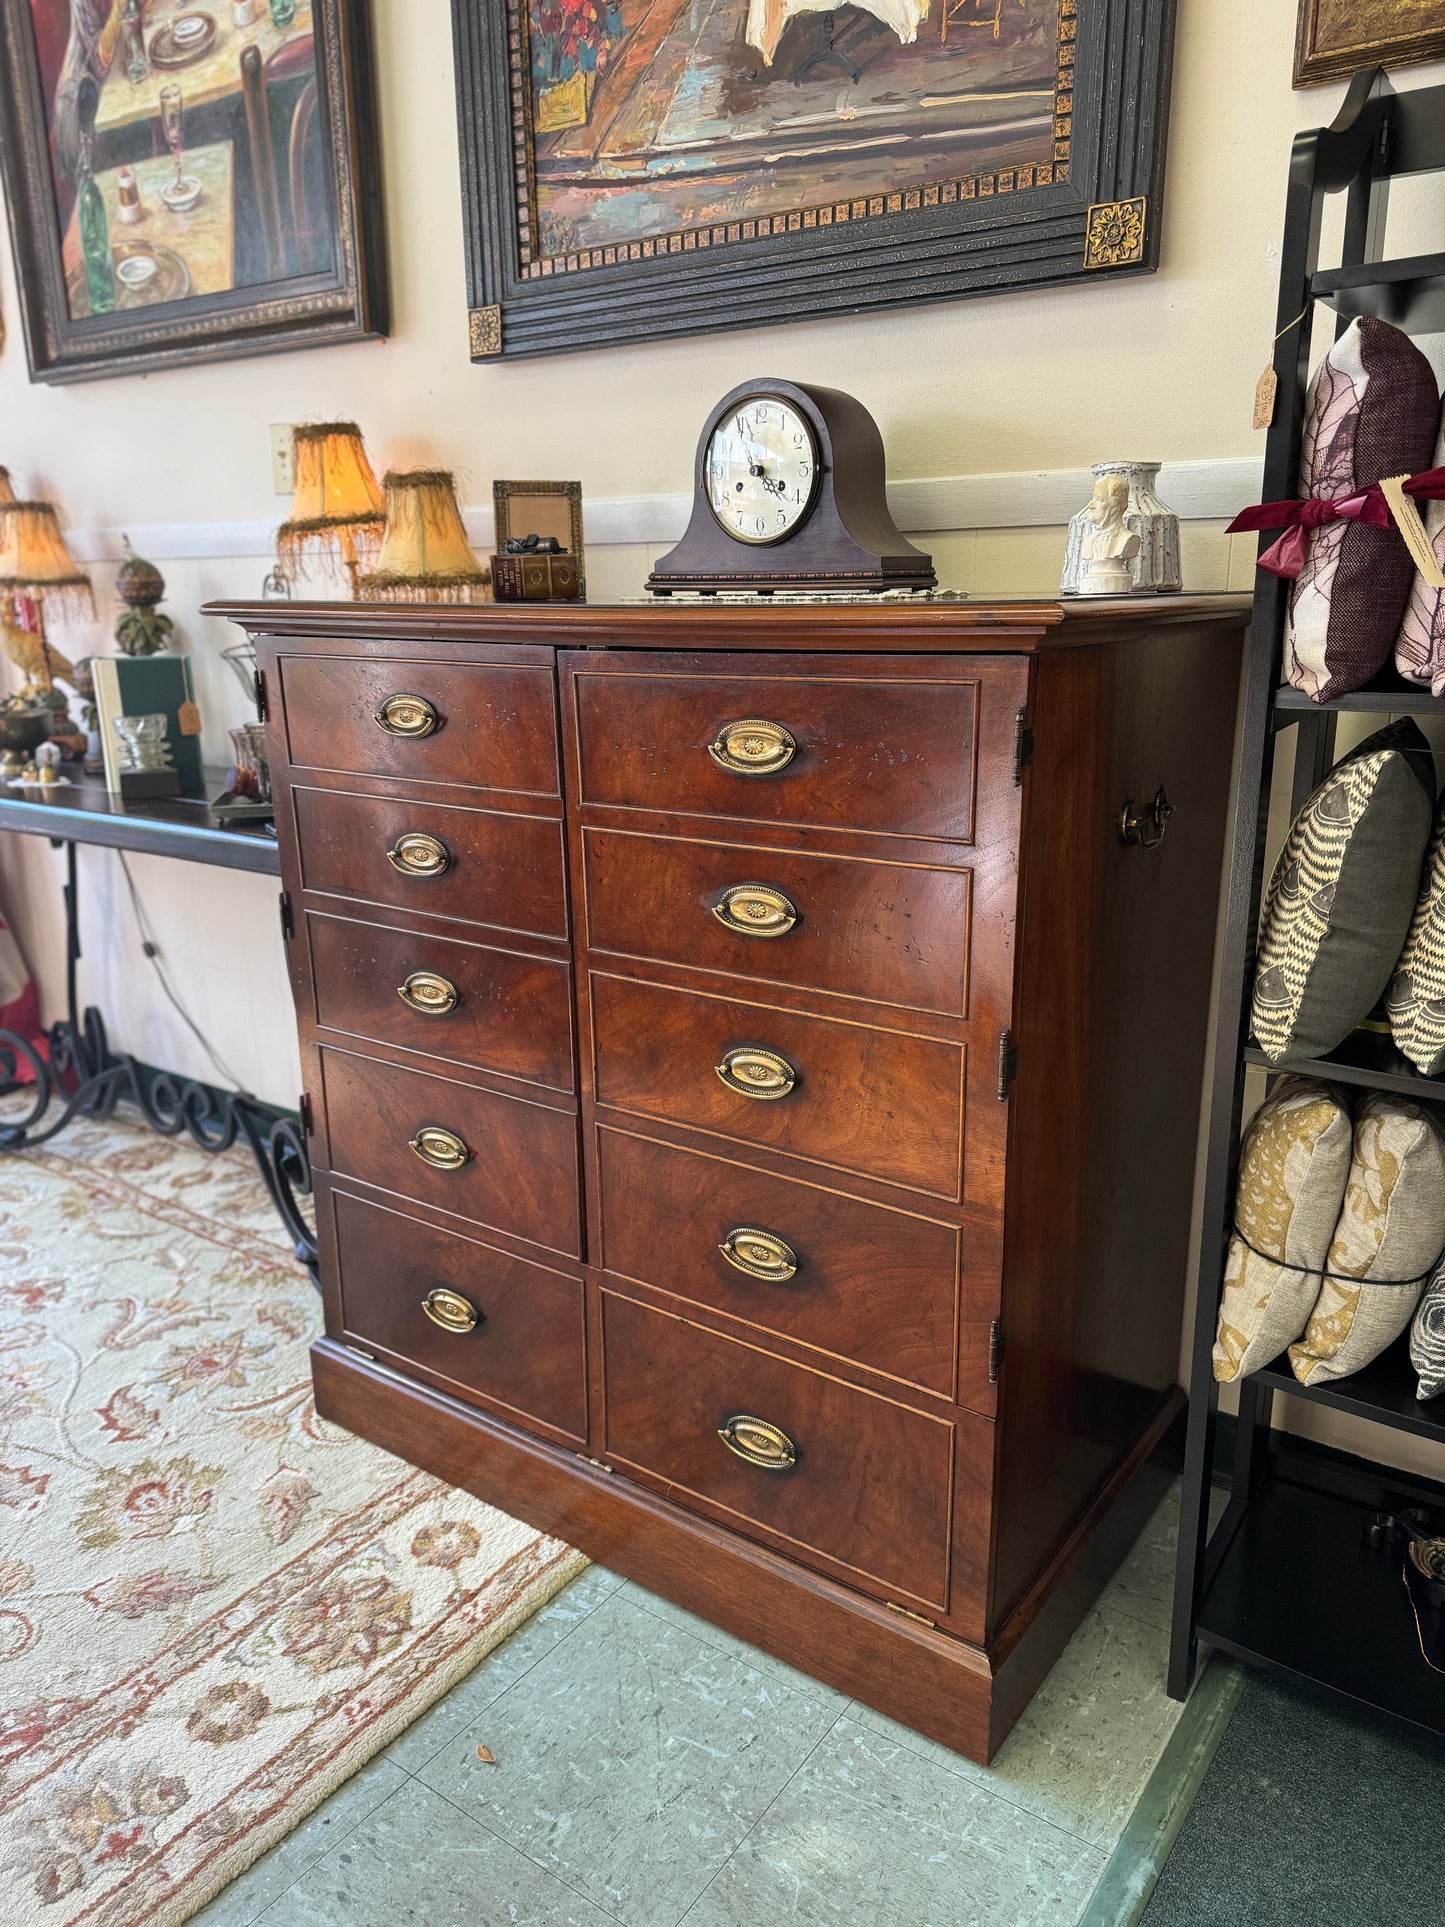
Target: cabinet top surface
<point>868,623</point>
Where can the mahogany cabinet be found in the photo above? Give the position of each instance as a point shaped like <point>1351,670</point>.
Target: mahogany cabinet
<point>753,1063</point>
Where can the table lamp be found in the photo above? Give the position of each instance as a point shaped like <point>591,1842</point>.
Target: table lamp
<point>425,556</point>
<point>7,493</point>
<point>35,564</point>
<point>338,513</point>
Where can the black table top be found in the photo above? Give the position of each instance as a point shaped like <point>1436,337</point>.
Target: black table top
<point>179,826</point>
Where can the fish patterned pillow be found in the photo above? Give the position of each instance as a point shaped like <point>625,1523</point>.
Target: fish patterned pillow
<point>1339,904</point>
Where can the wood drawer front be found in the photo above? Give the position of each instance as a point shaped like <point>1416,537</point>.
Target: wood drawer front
<point>496,725</point>
<point>513,1014</point>
<point>894,933</point>
<point>873,1483</point>
<point>522,1173</point>
<point>876,1286</point>
<point>880,1102</point>
<point>502,869</point>
<point>526,1353</point>
<point>872,754</point>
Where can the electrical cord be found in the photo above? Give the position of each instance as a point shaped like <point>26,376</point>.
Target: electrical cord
<point>151,949</point>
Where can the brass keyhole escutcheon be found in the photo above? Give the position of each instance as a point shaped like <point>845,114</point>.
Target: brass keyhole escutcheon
<point>1146,827</point>
<point>753,1072</point>
<point>758,1442</point>
<point>761,1254</point>
<point>451,1311</point>
<point>407,715</point>
<point>443,1150</point>
<point>428,993</point>
<point>419,854</point>
<point>756,910</point>
<point>753,747</point>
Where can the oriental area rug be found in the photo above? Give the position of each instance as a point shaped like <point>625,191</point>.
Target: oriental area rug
<point>214,1607</point>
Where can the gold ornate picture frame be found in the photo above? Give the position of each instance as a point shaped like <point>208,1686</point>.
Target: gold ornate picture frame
<point>1335,38</point>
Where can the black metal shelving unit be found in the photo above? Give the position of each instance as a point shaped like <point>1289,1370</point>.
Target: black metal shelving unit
<point>1288,1579</point>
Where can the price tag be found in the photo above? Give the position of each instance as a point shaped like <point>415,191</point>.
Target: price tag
<point>1265,390</point>
<point>188,719</point>
<point>1411,525</point>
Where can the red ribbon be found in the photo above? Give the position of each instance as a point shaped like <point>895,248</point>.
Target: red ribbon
<point>1299,519</point>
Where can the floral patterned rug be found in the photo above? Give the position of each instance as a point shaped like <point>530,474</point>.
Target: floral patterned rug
<point>214,1607</point>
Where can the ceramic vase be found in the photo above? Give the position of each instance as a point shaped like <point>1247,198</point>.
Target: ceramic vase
<point>1156,567</point>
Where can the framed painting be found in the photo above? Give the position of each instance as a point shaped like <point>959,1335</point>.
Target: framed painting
<point>1337,37</point>
<point>189,182</point>
<point>641,168</point>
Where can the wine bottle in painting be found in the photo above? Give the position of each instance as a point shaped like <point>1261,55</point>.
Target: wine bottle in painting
<point>90,209</point>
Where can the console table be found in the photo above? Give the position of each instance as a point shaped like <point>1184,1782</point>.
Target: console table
<point>80,1075</point>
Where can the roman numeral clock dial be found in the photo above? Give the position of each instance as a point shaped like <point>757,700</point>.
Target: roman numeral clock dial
<point>788,494</point>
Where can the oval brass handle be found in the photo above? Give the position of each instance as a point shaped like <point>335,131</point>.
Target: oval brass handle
<point>417,854</point>
<point>759,1442</point>
<point>407,715</point>
<point>451,1311</point>
<point>443,1150</point>
<point>1146,827</point>
<point>754,1072</point>
<point>761,1254</point>
<point>756,910</point>
<point>430,994</point>
<point>753,747</point>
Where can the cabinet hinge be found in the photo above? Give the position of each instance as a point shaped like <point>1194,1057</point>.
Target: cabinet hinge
<point>288,928</point>
<point>904,1613</point>
<point>995,1351</point>
<point>594,1462</point>
<point>308,1123</point>
<point>1008,1063</point>
<point>1023,746</point>
<point>263,708</point>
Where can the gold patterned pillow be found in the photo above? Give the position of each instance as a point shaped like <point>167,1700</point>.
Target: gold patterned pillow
<point>1416,1001</point>
<point>1292,1170</point>
<point>1390,1234</point>
<point>1340,901</point>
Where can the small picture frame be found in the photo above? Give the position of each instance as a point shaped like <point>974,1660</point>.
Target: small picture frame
<point>543,509</point>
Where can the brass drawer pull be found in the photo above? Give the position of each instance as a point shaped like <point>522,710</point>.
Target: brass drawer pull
<point>407,715</point>
<point>451,1311</point>
<point>416,854</point>
<point>753,747</point>
<point>1146,826</point>
<point>756,910</point>
<point>753,1072</point>
<point>443,1150</point>
<point>430,994</point>
<point>759,1443</point>
<point>761,1254</point>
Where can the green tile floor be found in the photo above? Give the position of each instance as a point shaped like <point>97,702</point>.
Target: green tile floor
<point>651,1770</point>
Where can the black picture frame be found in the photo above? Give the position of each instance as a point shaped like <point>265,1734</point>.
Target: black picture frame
<point>1098,212</point>
<point>345,301</point>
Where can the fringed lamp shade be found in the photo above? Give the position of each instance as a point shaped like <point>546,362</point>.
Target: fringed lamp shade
<point>7,493</point>
<point>425,556</point>
<point>338,515</point>
<point>35,562</point>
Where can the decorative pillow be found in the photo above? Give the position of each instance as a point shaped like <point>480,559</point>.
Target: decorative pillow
<point>1339,903</point>
<point>1373,411</point>
<point>1416,1000</point>
<point>1292,1170</point>
<point>1420,645</point>
<point>1389,1238</point>
<point>1427,1339</point>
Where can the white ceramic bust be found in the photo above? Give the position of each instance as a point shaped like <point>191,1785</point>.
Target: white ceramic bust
<point>1108,546</point>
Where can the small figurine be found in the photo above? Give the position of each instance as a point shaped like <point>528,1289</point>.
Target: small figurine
<point>533,545</point>
<point>36,659</point>
<point>1108,546</point>
<point>140,628</point>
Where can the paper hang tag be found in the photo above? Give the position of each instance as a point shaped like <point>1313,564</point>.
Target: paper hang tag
<point>1411,525</point>
<point>1265,390</point>
<point>188,719</point>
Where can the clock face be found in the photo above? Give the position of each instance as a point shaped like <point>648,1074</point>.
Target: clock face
<point>761,469</point>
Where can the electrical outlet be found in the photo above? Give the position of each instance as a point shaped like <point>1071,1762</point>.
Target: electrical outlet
<point>283,460</point>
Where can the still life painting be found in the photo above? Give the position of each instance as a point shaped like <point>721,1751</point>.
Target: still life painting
<point>183,179</point>
<point>877,149</point>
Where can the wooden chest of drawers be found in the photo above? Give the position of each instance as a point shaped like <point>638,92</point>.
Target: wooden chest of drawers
<point>753,1085</point>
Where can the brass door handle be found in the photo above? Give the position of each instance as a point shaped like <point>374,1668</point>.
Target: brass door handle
<point>754,1072</point>
<point>443,1150</point>
<point>407,715</point>
<point>753,747</point>
<point>451,1311</point>
<point>1146,827</point>
<point>418,854</point>
<point>429,993</point>
<point>761,1254</point>
<point>756,910</point>
<point>759,1443</point>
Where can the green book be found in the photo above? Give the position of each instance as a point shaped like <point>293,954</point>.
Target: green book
<point>144,686</point>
